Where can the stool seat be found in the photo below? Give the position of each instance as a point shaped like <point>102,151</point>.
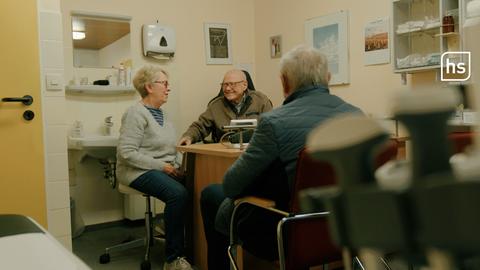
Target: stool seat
<point>128,190</point>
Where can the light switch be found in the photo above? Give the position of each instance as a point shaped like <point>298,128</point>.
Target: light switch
<point>54,82</point>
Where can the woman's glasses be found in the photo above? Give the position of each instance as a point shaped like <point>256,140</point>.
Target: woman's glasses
<point>165,83</point>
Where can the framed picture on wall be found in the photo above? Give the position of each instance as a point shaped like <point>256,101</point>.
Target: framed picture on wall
<point>377,50</point>
<point>329,34</point>
<point>276,46</point>
<point>218,45</point>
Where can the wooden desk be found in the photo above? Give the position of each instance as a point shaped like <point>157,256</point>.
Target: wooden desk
<point>208,162</point>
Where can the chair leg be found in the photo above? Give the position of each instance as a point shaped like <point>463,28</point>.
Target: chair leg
<point>232,256</point>
<point>147,241</point>
<point>148,227</point>
<point>124,246</point>
<point>281,248</point>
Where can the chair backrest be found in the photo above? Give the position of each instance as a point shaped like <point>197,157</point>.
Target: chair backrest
<point>313,173</point>
<point>308,242</point>
<point>309,173</point>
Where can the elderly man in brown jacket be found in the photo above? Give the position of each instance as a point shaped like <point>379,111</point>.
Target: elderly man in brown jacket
<point>237,102</point>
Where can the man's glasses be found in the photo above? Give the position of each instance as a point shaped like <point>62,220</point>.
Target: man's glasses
<point>165,83</point>
<point>231,84</point>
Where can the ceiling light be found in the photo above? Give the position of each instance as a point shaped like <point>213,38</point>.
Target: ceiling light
<point>78,35</point>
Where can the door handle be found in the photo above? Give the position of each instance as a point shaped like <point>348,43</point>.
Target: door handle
<point>26,100</point>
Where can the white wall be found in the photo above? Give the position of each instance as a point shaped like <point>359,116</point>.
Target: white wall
<point>85,58</point>
<point>193,83</point>
<point>370,88</point>
<point>115,53</point>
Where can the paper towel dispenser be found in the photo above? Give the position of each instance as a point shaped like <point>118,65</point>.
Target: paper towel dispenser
<point>158,41</point>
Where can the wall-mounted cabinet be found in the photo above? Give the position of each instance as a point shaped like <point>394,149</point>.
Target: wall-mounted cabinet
<point>422,31</point>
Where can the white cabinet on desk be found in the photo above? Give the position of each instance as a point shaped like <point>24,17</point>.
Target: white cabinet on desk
<point>423,30</point>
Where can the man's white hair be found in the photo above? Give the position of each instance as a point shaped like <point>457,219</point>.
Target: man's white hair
<point>304,66</point>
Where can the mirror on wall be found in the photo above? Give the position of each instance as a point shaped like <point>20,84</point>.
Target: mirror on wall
<point>99,40</point>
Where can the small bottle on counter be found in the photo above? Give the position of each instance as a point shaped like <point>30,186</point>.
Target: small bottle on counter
<point>128,76</point>
<point>122,76</point>
<point>77,130</point>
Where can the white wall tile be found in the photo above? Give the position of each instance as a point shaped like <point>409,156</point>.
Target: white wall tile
<point>59,222</point>
<point>51,26</point>
<point>52,54</point>
<point>57,167</point>
<point>66,241</point>
<point>54,110</point>
<point>56,139</point>
<point>58,195</point>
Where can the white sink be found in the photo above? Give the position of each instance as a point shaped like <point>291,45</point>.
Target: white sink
<point>96,146</point>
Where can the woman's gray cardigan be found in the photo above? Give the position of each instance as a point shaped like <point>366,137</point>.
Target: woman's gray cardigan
<point>143,144</point>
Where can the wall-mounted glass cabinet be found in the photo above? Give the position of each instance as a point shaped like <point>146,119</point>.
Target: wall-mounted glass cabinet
<point>422,31</point>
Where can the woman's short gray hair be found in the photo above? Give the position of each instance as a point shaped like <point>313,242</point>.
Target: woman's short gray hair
<point>146,75</point>
<point>304,66</point>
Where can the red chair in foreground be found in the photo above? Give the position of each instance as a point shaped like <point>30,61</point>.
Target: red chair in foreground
<point>303,238</point>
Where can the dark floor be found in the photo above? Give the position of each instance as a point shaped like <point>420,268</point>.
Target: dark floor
<point>93,241</point>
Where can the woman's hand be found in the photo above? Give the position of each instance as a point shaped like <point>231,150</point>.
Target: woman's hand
<point>170,170</point>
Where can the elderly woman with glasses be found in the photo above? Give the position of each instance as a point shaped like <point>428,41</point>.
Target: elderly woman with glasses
<point>237,102</point>
<point>147,158</point>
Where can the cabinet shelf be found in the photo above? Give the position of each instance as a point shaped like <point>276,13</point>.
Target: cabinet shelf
<point>421,41</point>
<point>416,69</point>
<point>451,34</point>
<point>99,89</point>
<point>420,31</point>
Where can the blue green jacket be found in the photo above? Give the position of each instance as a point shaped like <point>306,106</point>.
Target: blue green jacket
<point>280,135</point>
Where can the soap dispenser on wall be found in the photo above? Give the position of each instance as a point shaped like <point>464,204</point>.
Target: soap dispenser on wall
<point>158,41</point>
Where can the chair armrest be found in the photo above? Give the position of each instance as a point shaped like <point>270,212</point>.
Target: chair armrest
<point>255,201</point>
<point>260,202</point>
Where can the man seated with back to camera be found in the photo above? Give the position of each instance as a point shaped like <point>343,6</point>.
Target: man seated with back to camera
<point>267,167</point>
<point>237,102</point>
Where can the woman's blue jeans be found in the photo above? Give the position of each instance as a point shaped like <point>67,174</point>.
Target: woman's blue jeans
<point>163,187</point>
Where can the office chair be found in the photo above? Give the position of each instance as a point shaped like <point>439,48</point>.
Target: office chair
<point>146,241</point>
<point>303,237</point>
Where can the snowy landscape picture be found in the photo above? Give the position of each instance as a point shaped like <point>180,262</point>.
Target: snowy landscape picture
<point>329,34</point>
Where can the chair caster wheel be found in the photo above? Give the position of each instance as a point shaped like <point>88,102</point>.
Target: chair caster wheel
<point>104,258</point>
<point>145,265</point>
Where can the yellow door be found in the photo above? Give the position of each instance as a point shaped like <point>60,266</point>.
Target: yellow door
<point>22,180</point>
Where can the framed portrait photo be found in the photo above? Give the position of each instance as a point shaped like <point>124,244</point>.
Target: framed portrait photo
<point>218,45</point>
<point>329,34</point>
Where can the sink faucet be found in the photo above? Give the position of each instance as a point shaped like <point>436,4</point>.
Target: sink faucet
<point>108,125</point>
